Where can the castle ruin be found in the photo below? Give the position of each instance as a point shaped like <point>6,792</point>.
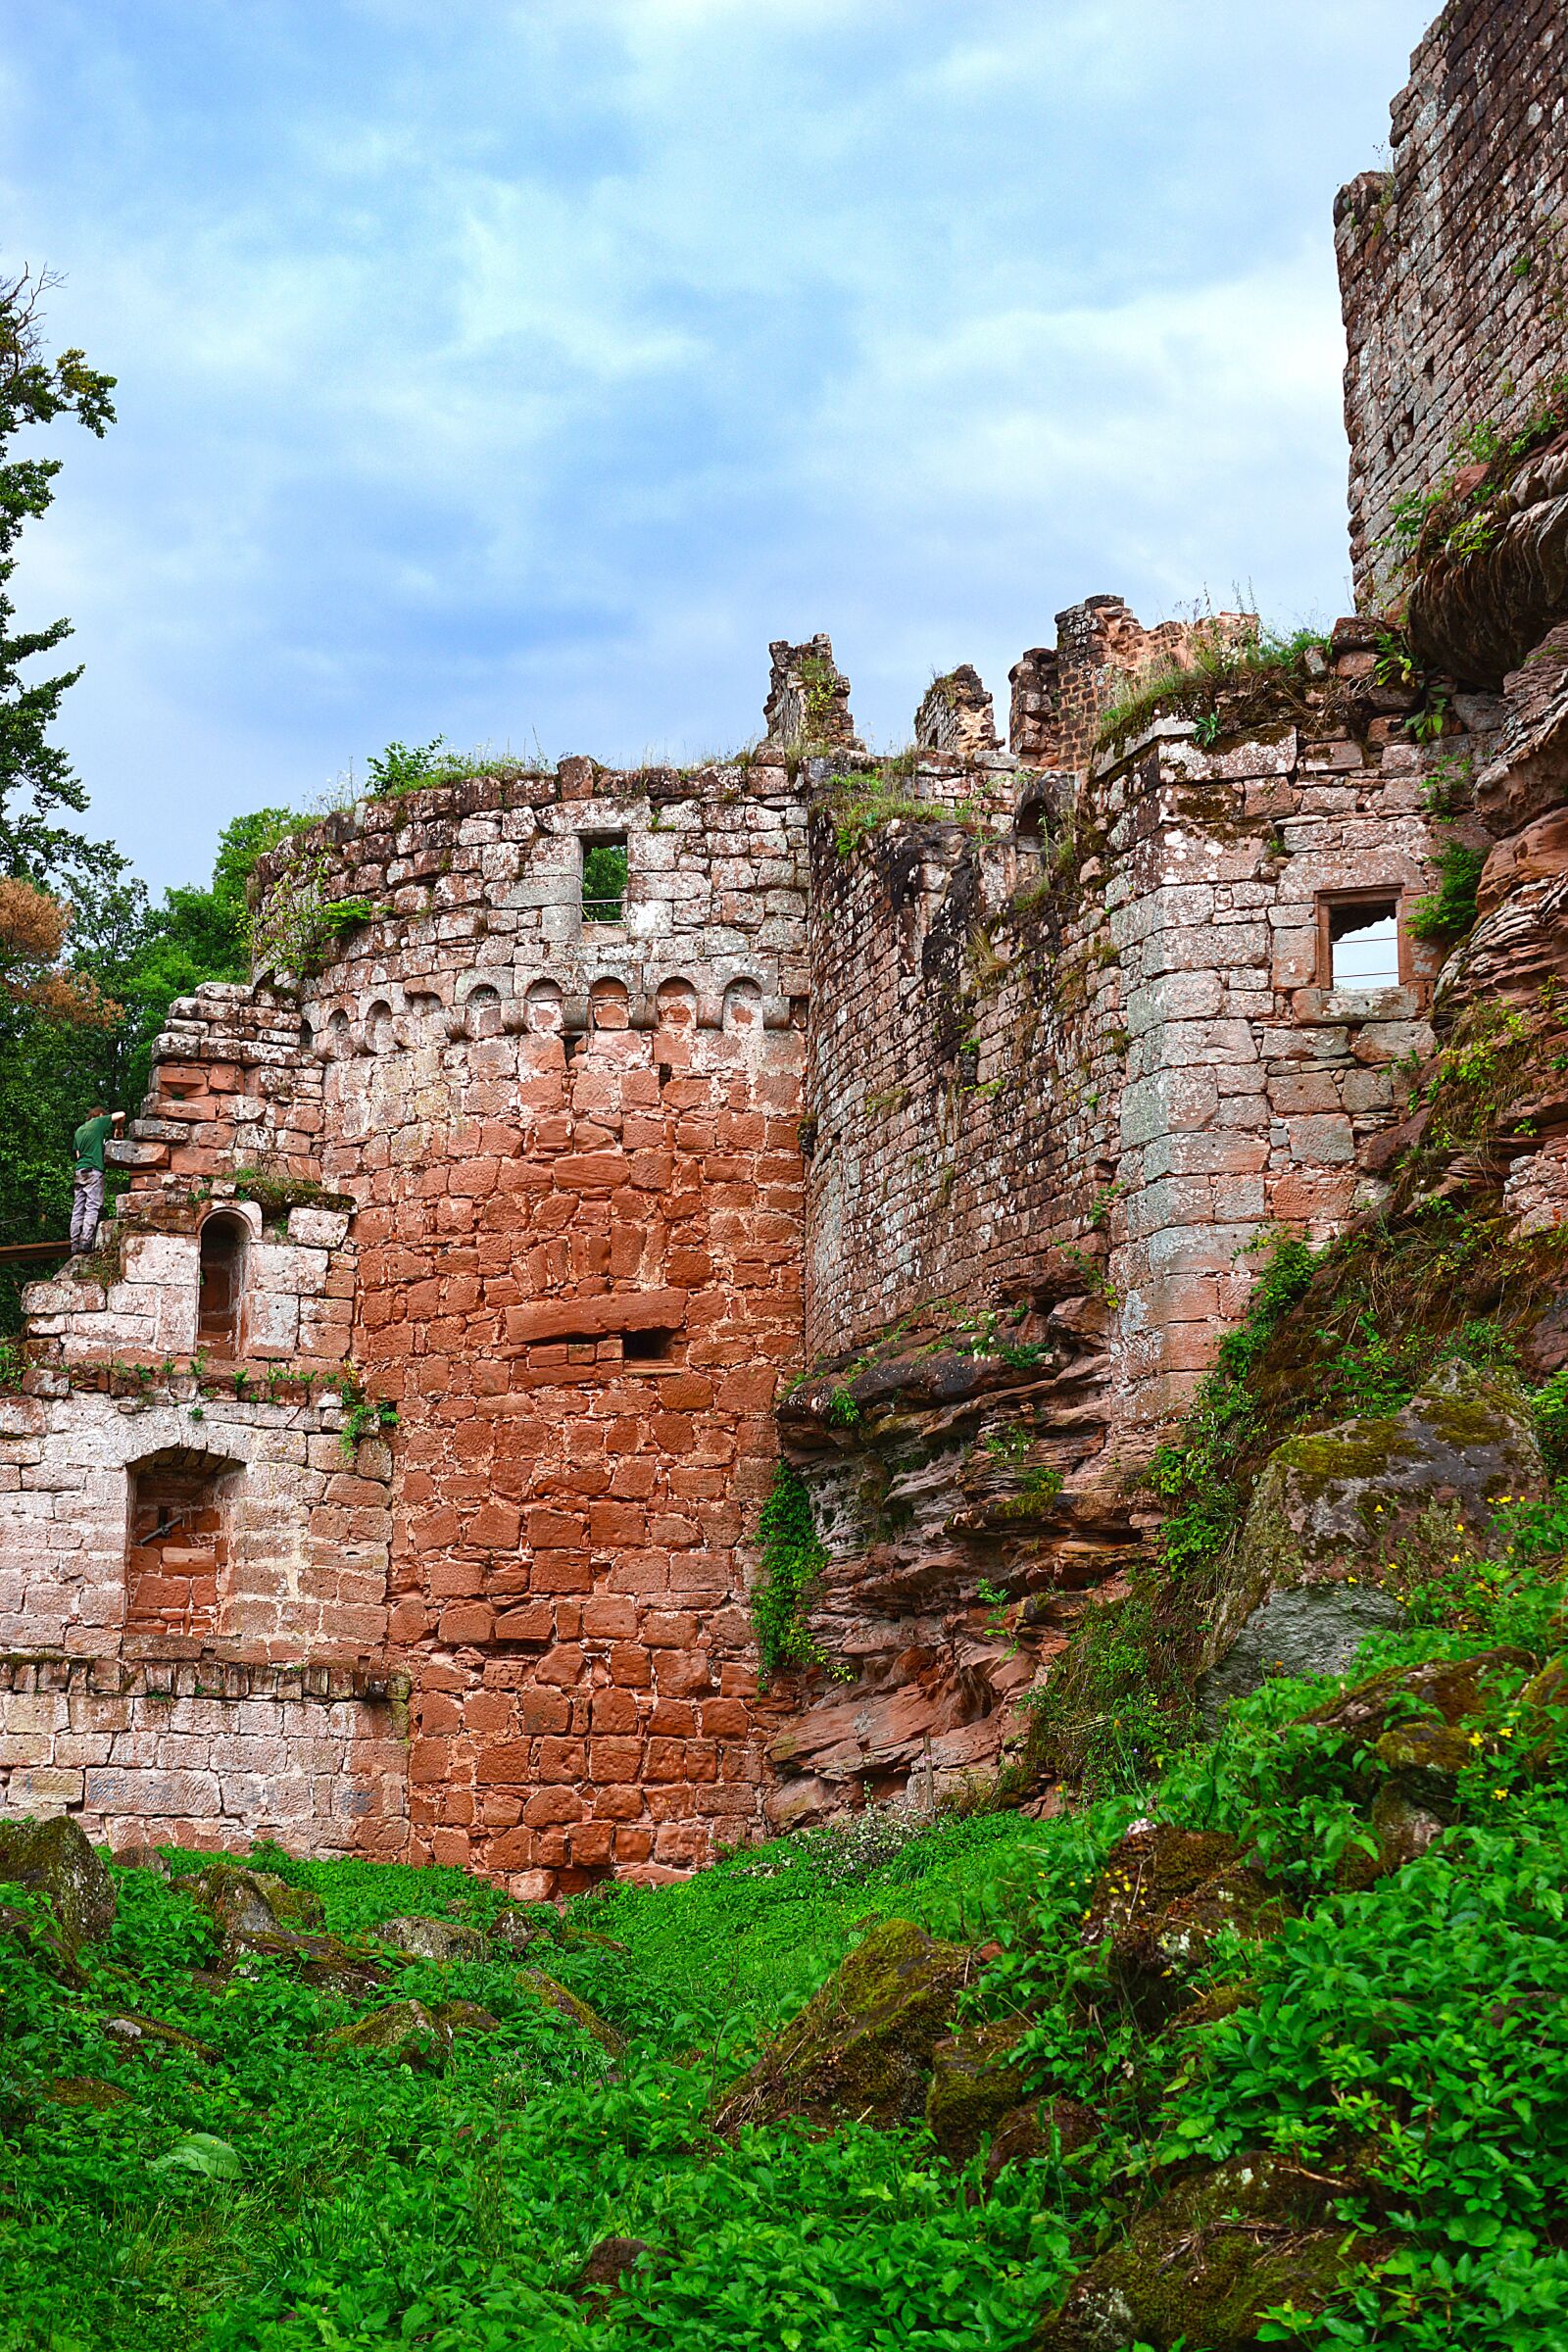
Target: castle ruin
<point>391,1482</point>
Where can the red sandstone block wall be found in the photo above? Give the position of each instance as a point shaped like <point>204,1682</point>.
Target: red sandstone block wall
<point>1454,264</point>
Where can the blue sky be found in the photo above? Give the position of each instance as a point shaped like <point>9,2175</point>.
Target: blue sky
<point>516,372</point>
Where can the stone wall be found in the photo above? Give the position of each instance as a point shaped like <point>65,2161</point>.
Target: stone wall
<point>1454,264</point>
<point>1074,1049</point>
<point>575,1148</point>
<point>196,1754</point>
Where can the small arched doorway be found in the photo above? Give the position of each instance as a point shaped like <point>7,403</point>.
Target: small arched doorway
<point>220,1294</point>
<point>177,1550</point>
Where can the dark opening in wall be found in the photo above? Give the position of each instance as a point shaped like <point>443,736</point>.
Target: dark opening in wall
<point>222,1283</point>
<point>604,877</point>
<point>646,1347</point>
<point>177,1549</point>
<point>1359,945</point>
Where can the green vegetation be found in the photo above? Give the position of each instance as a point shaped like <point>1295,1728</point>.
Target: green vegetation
<point>1460,515</point>
<point>418,768</point>
<point>791,1560</point>
<point>858,806</point>
<point>256,2191</point>
<point>604,882</point>
<point>1392,2027</point>
<point>1228,679</point>
<point>1448,914</point>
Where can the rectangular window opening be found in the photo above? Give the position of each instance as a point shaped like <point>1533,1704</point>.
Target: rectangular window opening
<point>1360,938</point>
<point>604,877</point>
<point>646,1347</point>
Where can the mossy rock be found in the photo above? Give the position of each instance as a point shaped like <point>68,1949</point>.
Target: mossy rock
<point>1152,1964</point>
<point>561,2002</point>
<point>1205,2264</point>
<point>409,2031</point>
<point>1040,2129</point>
<point>431,1938</point>
<point>467,2017</point>
<point>252,1903</point>
<point>973,2085</point>
<point>517,1930</point>
<point>1409,1704</point>
<point>1404,1828</point>
<point>53,1858</point>
<point>863,2048</point>
<point>86,2090</point>
<point>324,1960</point>
<point>1316,1568</point>
<point>1153,1865</point>
<point>151,2037</point>
<point>43,1944</point>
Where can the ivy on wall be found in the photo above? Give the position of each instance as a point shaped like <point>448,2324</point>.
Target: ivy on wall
<point>793,1562</point>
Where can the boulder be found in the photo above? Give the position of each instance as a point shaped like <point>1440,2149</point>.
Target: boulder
<point>141,1858</point>
<point>1161,1899</point>
<point>973,2085</point>
<point>431,1938</point>
<point>324,1960</point>
<point>53,1858</point>
<point>43,1945</point>
<point>152,2037</point>
<point>609,2266</point>
<point>406,2030</point>
<point>467,2017</point>
<point>1316,1567</point>
<point>84,2090</point>
<point>1204,2266</point>
<point>252,1903</point>
<point>516,1931</point>
<point>556,1998</point>
<point>1042,2128</point>
<point>863,2046</point>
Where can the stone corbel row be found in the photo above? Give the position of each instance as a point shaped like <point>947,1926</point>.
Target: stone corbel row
<point>501,1003</point>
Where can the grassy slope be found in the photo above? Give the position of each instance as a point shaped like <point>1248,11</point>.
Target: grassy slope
<point>1411,2039</point>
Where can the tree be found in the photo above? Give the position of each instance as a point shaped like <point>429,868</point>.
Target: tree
<point>37,781</point>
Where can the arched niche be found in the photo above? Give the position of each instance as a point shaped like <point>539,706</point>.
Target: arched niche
<point>179,1511</point>
<point>483,1011</point>
<point>743,1007</point>
<point>608,1005</point>
<point>380,1034</point>
<point>676,1005</point>
<point>544,1009</point>
<point>221,1285</point>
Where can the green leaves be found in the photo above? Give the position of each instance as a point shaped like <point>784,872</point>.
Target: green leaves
<point>201,2152</point>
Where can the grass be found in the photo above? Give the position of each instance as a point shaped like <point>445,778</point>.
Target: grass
<point>1407,2044</point>
<point>1226,682</point>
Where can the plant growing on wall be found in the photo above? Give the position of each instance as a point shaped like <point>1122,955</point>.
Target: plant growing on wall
<point>792,1559</point>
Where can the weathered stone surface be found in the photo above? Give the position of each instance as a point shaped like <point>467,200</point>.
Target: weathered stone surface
<point>1207,2263</point>
<point>1040,2129</point>
<point>432,1938</point>
<point>54,1858</point>
<point>252,1903</point>
<point>409,2031</point>
<point>1316,1568</point>
<point>973,2085</point>
<point>865,2045</point>
<point>560,2001</point>
<point>1162,1898</point>
<point>1445,329</point>
<point>152,2036</point>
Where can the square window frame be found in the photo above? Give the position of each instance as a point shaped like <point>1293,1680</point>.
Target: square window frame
<point>602,840</point>
<point>1329,902</point>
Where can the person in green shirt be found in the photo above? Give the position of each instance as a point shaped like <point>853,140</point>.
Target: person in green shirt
<point>87,1196</point>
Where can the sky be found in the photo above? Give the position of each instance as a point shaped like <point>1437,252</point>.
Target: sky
<point>514,373</point>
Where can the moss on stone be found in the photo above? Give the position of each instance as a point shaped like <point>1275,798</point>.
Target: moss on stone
<point>536,1987</point>
<point>1205,2265</point>
<point>54,1858</point>
<point>863,2048</point>
<point>973,2085</point>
